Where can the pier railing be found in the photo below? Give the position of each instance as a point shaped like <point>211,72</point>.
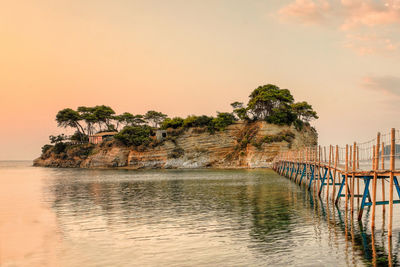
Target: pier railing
<point>340,171</point>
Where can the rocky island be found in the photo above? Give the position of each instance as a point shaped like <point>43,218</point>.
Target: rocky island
<point>249,137</point>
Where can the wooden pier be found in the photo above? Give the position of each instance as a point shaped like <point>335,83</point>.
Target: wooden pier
<point>348,173</point>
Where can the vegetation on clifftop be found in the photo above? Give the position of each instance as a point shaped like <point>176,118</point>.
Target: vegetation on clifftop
<point>266,103</point>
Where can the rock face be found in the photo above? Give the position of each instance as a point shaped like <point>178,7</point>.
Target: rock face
<point>241,145</point>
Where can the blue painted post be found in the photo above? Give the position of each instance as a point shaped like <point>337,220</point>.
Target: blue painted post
<point>340,188</point>
<point>367,180</point>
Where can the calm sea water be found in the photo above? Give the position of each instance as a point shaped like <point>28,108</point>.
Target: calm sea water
<point>74,217</point>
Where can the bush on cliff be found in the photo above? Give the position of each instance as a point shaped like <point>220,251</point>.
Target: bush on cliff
<point>46,148</point>
<point>223,120</point>
<point>134,135</point>
<point>173,123</point>
<point>60,148</point>
<point>197,121</point>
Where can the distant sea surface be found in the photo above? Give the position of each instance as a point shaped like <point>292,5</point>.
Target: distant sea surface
<point>79,217</point>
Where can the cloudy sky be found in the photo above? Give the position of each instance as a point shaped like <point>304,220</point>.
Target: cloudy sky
<point>196,57</point>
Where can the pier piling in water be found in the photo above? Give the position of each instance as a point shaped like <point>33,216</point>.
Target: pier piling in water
<point>350,170</point>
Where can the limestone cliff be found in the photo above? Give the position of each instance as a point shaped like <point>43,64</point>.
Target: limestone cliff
<point>241,145</point>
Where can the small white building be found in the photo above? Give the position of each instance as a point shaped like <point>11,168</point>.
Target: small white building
<point>161,135</point>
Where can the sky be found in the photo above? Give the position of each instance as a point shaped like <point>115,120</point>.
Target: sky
<point>196,57</point>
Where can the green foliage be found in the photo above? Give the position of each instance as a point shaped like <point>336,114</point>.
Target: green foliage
<point>90,119</point>
<point>304,111</point>
<point>60,148</point>
<point>129,119</point>
<point>197,121</point>
<point>298,124</point>
<point>173,123</point>
<point>236,105</point>
<point>46,148</point>
<point>134,135</point>
<point>222,120</point>
<point>240,111</point>
<point>285,135</point>
<point>154,117</point>
<point>69,118</point>
<point>104,114</point>
<point>79,137</point>
<point>57,139</point>
<point>282,115</point>
<point>82,151</point>
<point>266,98</point>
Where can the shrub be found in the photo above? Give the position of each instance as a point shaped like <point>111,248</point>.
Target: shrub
<point>82,151</point>
<point>60,148</point>
<point>197,121</point>
<point>173,123</point>
<point>134,135</point>
<point>298,124</point>
<point>285,135</point>
<point>46,148</point>
<point>223,120</point>
<point>79,137</point>
<point>57,139</point>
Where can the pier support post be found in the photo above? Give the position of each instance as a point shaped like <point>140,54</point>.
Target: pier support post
<point>392,167</point>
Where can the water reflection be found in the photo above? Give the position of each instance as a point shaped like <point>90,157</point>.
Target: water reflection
<point>250,217</point>
<point>201,218</point>
<point>367,242</point>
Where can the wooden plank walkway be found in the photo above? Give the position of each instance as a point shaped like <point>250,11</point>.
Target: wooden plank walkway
<point>348,173</point>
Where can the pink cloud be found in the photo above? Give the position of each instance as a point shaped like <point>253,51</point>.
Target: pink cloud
<point>368,13</point>
<point>306,11</point>
<point>369,43</point>
<point>358,18</point>
<point>389,85</point>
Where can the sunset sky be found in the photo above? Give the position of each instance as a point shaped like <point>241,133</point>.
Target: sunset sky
<point>196,57</point>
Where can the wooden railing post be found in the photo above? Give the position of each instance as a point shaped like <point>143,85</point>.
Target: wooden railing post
<point>328,176</point>
<point>319,167</point>
<point>334,172</point>
<point>383,180</point>
<point>376,163</point>
<point>353,177</point>
<point>392,168</point>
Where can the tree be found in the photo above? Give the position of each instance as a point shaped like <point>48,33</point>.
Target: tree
<point>237,104</point>
<point>90,119</point>
<point>266,98</point>
<point>240,111</point>
<point>57,138</point>
<point>70,118</point>
<point>304,111</point>
<point>155,118</point>
<point>104,114</point>
<point>137,120</point>
<point>282,115</point>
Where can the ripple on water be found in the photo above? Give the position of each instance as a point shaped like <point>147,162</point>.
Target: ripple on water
<point>190,218</point>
